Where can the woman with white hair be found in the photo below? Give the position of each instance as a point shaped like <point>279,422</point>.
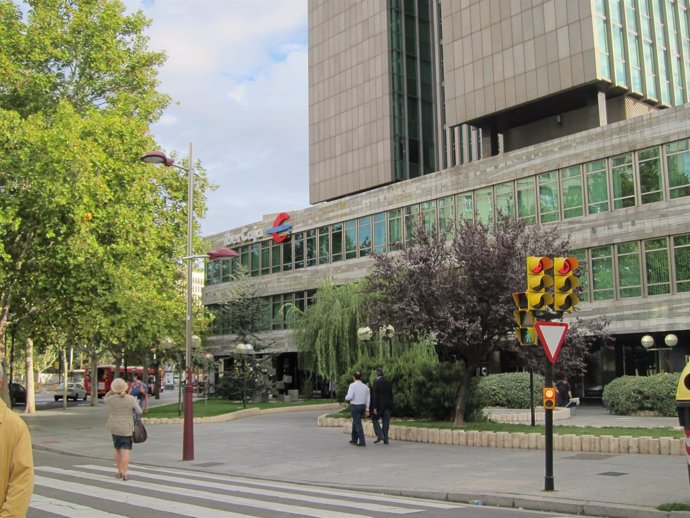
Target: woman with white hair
<point>121,423</point>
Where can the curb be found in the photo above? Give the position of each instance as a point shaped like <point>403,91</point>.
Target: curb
<point>524,441</point>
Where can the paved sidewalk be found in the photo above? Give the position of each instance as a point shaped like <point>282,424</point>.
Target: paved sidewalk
<point>289,446</point>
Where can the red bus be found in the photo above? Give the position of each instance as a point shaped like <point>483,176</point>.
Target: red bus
<point>106,374</point>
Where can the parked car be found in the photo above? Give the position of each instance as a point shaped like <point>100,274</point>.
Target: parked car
<point>74,391</point>
<point>17,394</point>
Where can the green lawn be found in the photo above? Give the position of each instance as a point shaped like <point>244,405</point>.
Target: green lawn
<point>213,407</point>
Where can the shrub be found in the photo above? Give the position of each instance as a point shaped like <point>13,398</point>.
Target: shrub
<point>630,394</point>
<point>510,390</point>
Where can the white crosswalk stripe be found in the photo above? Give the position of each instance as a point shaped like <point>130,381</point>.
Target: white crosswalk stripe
<point>204,495</point>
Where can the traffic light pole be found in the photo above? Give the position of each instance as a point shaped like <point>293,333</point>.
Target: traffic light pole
<point>548,433</point>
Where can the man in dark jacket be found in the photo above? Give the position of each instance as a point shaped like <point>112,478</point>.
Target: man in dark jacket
<point>381,406</point>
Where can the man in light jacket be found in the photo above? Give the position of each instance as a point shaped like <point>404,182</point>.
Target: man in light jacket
<point>358,395</point>
<point>16,462</point>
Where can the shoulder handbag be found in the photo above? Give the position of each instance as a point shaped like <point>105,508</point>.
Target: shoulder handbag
<point>139,434</point>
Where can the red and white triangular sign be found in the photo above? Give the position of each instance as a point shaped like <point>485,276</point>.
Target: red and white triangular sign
<point>552,336</point>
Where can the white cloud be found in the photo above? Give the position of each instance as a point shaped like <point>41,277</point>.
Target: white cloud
<point>237,71</point>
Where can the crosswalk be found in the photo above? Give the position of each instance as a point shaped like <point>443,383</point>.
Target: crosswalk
<point>91,491</point>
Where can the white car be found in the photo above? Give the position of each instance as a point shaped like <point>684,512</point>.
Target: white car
<point>74,391</point>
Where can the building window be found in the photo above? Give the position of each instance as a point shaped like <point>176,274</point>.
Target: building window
<point>651,183</point>
<point>276,312</point>
<point>597,189</point>
<point>623,181</point>
<point>656,259</point>
<point>485,205</point>
<point>380,233</point>
<point>311,249</point>
<point>395,237</point>
<point>527,201</point>
<point>265,257</point>
<point>464,207</point>
<point>634,47</point>
<point>573,199</point>
<point>245,258</point>
<point>337,243</point>
<point>445,214</point>
<point>411,221</point>
<point>648,53</point>
<point>618,42</point>
<point>287,255</point>
<point>505,199</point>
<point>681,260</point>
<point>602,273</point>
<point>276,257</point>
<point>351,239</point>
<point>549,210</point>
<point>583,292</point>
<point>602,40</point>
<point>365,236</point>
<point>298,240</point>
<point>428,209</point>
<point>324,246</point>
<point>678,162</point>
<point>629,272</point>
<point>255,250</point>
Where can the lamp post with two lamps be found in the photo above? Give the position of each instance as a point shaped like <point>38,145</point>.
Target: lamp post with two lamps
<point>647,342</point>
<point>159,157</point>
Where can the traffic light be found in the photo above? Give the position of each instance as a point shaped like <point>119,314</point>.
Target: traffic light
<point>538,280</point>
<point>549,398</point>
<point>565,280</point>
<point>526,335</point>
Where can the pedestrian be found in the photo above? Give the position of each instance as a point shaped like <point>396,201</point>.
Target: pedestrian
<point>381,406</point>
<point>359,396</point>
<point>16,462</point>
<point>138,390</point>
<point>121,410</point>
<point>565,394</point>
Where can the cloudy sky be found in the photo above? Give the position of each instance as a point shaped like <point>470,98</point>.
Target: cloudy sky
<point>237,71</point>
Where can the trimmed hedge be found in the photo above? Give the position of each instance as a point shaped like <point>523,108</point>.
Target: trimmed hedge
<point>509,390</point>
<point>628,395</point>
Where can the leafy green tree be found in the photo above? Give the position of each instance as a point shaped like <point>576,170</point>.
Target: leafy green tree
<point>87,233</point>
<point>459,290</point>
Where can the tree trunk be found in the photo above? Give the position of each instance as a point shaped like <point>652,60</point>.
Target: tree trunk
<point>30,391</point>
<point>4,315</point>
<point>94,378</point>
<point>65,375</point>
<point>462,396</point>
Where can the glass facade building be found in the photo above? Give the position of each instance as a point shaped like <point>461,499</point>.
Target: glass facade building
<point>558,113</point>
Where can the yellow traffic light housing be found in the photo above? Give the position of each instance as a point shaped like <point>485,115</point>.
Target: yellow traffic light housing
<point>524,317</point>
<point>526,336</point>
<point>538,280</point>
<point>549,398</point>
<point>565,280</point>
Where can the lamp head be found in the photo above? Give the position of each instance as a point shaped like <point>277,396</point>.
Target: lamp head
<point>156,157</point>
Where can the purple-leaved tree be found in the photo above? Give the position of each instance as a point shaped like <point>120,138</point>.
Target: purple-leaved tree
<point>459,290</point>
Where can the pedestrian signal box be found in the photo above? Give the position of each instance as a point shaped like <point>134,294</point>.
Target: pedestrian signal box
<point>526,335</point>
<point>549,398</point>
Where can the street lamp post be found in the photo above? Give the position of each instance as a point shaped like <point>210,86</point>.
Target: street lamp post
<point>159,157</point>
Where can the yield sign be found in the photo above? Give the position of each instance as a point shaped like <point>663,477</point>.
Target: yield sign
<point>552,336</point>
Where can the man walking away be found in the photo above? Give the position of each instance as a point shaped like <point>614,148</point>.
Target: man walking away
<point>359,396</point>
<point>16,462</point>
<point>381,406</point>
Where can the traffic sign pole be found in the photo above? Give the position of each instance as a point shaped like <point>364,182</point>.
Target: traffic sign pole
<point>548,434</point>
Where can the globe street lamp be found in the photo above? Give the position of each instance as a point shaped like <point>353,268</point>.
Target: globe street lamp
<point>159,157</point>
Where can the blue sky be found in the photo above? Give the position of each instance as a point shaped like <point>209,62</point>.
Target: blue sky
<point>237,72</point>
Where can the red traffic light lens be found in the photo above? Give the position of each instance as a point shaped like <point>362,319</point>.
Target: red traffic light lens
<point>565,268</point>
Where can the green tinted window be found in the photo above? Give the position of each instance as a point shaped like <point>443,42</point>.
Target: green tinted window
<point>265,257</point>
<point>527,200</point>
<point>380,232</point>
<point>681,258</point>
<point>445,213</point>
<point>656,260</point>
<point>310,249</point>
<point>583,291</point>
<point>395,236</point>
<point>602,273</point>
<point>623,181</point>
<point>573,198</point>
<point>651,183</point>
<point>629,273</point>
<point>485,205</point>
<point>365,236</point>
<point>287,255</point>
<point>597,189</point>
<point>505,199</point>
<point>548,197</point>
<point>337,242</point>
<point>464,207</point>
<point>324,245</point>
<point>276,258</point>
<point>428,209</point>
<point>678,163</point>
<point>350,239</point>
<point>411,221</point>
<point>298,240</point>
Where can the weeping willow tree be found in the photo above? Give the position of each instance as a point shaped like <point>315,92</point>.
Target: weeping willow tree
<point>326,332</point>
